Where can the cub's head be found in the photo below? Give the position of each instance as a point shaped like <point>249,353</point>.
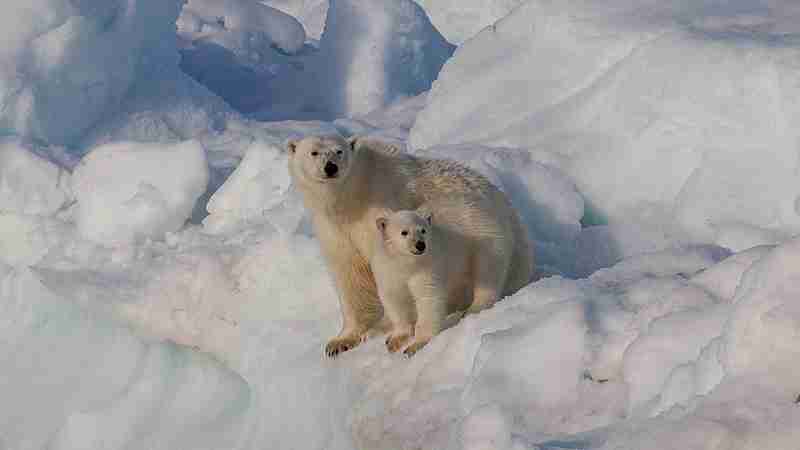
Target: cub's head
<point>320,159</point>
<point>406,232</point>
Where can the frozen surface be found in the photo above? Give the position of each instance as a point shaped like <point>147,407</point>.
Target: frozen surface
<point>459,20</point>
<point>127,322</point>
<point>685,109</point>
<point>128,191</point>
<point>237,48</point>
<point>373,53</point>
<point>29,183</point>
<point>59,57</point>
<point>311,13</point>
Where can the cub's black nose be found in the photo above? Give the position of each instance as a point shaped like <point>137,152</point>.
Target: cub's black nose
<point>420,246</point>
<point>331,169</point>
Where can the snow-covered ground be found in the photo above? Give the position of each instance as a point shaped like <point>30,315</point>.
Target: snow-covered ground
<point>161,286</point>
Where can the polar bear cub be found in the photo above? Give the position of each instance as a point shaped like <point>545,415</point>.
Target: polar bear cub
<point>422,272</point>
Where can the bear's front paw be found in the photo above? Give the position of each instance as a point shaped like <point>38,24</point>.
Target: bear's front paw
<point>396,341</point>
<point>415,346</point>
<point>341,344</point>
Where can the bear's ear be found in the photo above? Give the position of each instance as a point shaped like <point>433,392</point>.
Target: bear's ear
<point>380,222</point>
<point>352,142</point>
<point>429,217</point>
<point>291,146</point>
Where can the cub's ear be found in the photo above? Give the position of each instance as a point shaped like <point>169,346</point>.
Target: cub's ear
<point>380,222</point>
<point>352,142</point>
<point>291,146</point>
<point>428,217</point>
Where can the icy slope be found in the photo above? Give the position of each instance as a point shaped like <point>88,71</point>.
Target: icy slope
<point>688,109</point>
<point>459,20</point>
<point>60,56</point>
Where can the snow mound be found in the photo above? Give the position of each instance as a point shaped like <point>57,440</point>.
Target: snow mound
<point>239,21</point>
<point>30,184</point>
<point>237,48</point>
<point>81,380</point>
<point>254,193</point>
<point>643,109</point>
<point>127,191</point>
<point>60,57</point>
<point>459,20</point>
<point>373,53</point>
<point>311,13</point>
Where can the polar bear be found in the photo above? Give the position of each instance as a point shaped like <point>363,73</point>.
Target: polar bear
<point>424,267</point>
<point>348,184</point>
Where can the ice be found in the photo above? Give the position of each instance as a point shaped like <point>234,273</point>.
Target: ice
<point>641,107</point>
<point>60,57</point>
<point>238,47</point>
<point>311,13</point>
<point>29,183</point>
<point>81,381</point>
<point>213,17</point>
<point>459,20</point>
<point>373,53</point>
<point>260,182</point>
<point>129,191</point>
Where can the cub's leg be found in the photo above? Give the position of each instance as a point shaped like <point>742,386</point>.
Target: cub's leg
<point>398,306</point>
<point>430,297</point>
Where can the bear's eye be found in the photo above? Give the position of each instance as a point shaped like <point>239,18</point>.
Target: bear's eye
<point>314,153</point>
<point>404,233</point>
<point>339,152</point>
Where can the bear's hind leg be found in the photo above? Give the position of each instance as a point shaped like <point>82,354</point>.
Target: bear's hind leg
<point>490,270</point>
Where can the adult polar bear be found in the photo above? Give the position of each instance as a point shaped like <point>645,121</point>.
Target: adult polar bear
<point>348,184</point>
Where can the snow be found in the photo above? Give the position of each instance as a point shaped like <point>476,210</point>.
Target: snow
<point>128,191</point>
<point>161,286</point>
<point>30,184</point>
<point>459,20</point>
<point>60,57</point>
<point>311,13</point>
<point>644,108</point>
<point>374,53</point>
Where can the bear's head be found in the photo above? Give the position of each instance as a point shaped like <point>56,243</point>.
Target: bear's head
<point>320,159</point>
<point>406,232</point>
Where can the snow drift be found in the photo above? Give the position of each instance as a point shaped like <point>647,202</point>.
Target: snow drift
<point>459,20</point>
<point>129,191</point>
<point>60,57</point>
<point>685,111</point>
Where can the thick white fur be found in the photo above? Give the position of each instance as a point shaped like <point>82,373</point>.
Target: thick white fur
<point>374,177</point>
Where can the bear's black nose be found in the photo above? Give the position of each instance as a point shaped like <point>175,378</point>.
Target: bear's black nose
<point>420,246</point>
<point>331,169</point>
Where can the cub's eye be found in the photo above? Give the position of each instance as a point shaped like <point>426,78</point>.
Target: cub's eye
<point>404,233</point>
<point>339,152</point>
<point>422,231</point>
<point>314,153</point>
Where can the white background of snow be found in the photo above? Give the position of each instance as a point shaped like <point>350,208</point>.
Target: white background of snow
<point>210,335</point>
<point>128,191</point>
<point>459,20</point>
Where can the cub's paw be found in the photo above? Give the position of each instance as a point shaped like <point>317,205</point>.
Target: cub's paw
<point>415,346</point>
<point>341,344</point>
<point>395,342</point>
